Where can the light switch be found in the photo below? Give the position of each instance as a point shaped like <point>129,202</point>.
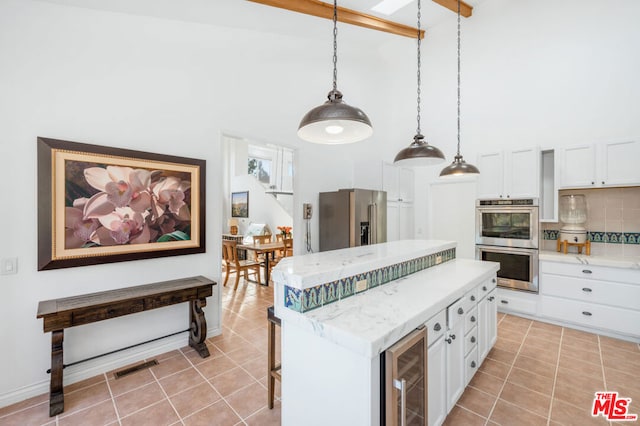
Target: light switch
<point>9,266</point>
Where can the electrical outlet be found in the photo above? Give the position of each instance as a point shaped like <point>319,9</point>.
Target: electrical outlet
<point>361,285</point>
<point>9,266</point>
<point>438,260</point>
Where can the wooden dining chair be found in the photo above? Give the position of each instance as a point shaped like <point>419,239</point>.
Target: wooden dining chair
<point>260,239</point>
<point>230,256</point>
<point>287,250</point>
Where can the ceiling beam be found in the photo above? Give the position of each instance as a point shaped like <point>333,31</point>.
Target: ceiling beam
<point>465,9</point>
<point>348,16</point>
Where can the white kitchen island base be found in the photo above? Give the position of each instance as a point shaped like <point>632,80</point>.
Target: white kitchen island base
<point>331,373</point>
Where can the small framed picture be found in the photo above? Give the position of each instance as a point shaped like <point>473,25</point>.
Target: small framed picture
<point>240,204</point>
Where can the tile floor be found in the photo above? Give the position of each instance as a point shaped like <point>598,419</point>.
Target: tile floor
<point>536,374</point>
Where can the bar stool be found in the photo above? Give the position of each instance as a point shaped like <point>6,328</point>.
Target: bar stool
<point>274,370</point>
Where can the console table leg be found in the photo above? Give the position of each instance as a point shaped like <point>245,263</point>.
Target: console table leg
<point>198,332</point>
<point>56,394</point>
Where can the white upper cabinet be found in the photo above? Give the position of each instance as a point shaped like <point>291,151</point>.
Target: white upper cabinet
<point>398,182</point>
<point>608,164</point>
<point>509,174</point>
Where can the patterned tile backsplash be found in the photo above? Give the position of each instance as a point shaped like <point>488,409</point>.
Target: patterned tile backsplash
<point>599,236</point>
<point>323,294</point>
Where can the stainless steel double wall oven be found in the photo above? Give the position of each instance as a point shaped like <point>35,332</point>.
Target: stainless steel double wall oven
<point>507,232</point>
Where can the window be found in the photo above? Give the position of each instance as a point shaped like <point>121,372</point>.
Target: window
<point>260,168</point>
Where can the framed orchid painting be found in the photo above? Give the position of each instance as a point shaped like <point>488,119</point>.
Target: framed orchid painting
<point>99,204</point>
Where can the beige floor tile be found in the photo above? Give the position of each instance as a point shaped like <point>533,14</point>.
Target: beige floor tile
<point>487,383</point>
<point>569,342</point>
<point>535,366</point>
<point>217,414</point>
<point>257,368</point>
<point>169,366</point>
<point>550,328</point>
<point>502,355</point>
<point>160,414</point>
<point>526,398</point>
<point>580,366</point>
<point>181,381</point>
<point>585,356</point>
<point>570,415</point>
<point>130,382</point>
<point>84,383</point>
<point>477,401</point>
<point>246,354</point>
<point>616,378</point>
<point>506,413</point>
<point>249,400</point>
<point>508,345</point>
<point>27,403</point>
<point>215,366</point>
<point>139,398</point>
<point>460,416</point>
<point>34,415</point>
<point>86,397</point>
<point>194,399</point>
<point>231,381</point>
<point>570,332</point>
<point>495,368</point>
<point>266,417</point>
<point>531,381</point>
<point>542,354</point>
<point>619,344</point>
<point>100,414</point>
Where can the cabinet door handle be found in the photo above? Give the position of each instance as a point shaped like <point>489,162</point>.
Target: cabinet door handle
<point>500,195</point>
<point>587,290</point>
<point>484,288</point>
<point>460,311</point>
<point>603,182</point>
<point>587,313</point>
<point>491,298</point>
<point>593,183</point>
<point>587,271</point>
<point>473,339</point>
<point>473,364</point>
<point>493,280</point>
<point>473,298</point>
<point>437,327</point>
<point>506,302</point>
<point>453,336</point>
<point>473,319</point>
<point>401,385</point>
<point>508,196</point>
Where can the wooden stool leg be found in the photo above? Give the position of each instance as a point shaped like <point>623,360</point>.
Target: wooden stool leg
<point>56,392</point>
<point>271,361</point>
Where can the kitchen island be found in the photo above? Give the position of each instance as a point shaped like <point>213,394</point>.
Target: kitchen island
<point>341,309</point>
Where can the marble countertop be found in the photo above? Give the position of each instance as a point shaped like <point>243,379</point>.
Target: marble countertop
<point>581,259</point>
<point>370,322</point>
<point>318,268</point>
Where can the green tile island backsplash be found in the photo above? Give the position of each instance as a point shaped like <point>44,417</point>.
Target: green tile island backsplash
<point>613,220</point>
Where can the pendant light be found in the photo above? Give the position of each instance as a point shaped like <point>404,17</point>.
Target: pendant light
<point>459,167</point>
<point>335,122</point>
<point>419,153</point>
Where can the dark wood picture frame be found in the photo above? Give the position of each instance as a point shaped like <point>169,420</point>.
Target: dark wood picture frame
<point>99,204</point>
<point>240,204</point>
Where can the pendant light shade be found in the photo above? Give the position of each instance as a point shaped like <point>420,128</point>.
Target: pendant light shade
<point>459,167</point>
<point>419,153</point>
<point>335,122</point>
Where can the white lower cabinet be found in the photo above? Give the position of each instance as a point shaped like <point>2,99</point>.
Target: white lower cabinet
<point>456,347</point>
<point>517,302</point>
<point>598,297</point>
<point>487,324</point>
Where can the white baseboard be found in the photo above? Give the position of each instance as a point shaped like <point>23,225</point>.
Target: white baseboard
<point>101,365</point>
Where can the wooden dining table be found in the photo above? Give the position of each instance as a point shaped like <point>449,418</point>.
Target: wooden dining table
<point>268,249</point>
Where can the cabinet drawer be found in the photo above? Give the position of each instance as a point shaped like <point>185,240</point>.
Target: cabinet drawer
<point>603,273</point>
<point>471,340</point>
<point>436,327</point>
<point>620,320</point>
<point>594,291</point>
<point>471,320</point>
<point>486,287</point>
<point>456,312</point>
<point>470,365</point>
<point>515,301</point>
<point>89,315</point>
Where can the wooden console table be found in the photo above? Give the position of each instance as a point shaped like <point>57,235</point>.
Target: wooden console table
<point>59,314</point>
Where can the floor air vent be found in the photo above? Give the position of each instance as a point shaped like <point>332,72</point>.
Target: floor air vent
<point>130,370</point>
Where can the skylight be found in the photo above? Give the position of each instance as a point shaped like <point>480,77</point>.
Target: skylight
<point>389,7</point>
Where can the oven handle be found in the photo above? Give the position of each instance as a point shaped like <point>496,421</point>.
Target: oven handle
<point>507,250</point>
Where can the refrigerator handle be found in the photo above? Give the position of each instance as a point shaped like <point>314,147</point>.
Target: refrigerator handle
<point>373,224</point>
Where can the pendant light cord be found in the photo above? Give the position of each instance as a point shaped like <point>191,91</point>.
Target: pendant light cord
<point>419,66</point>
<point>335,45</point>
<point>458,153</point>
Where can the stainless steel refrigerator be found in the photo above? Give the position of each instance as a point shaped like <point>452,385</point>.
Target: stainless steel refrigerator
<point>352,217</point>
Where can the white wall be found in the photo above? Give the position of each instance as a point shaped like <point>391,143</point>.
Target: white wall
<point>534,72</point>
<point>153,85</point>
